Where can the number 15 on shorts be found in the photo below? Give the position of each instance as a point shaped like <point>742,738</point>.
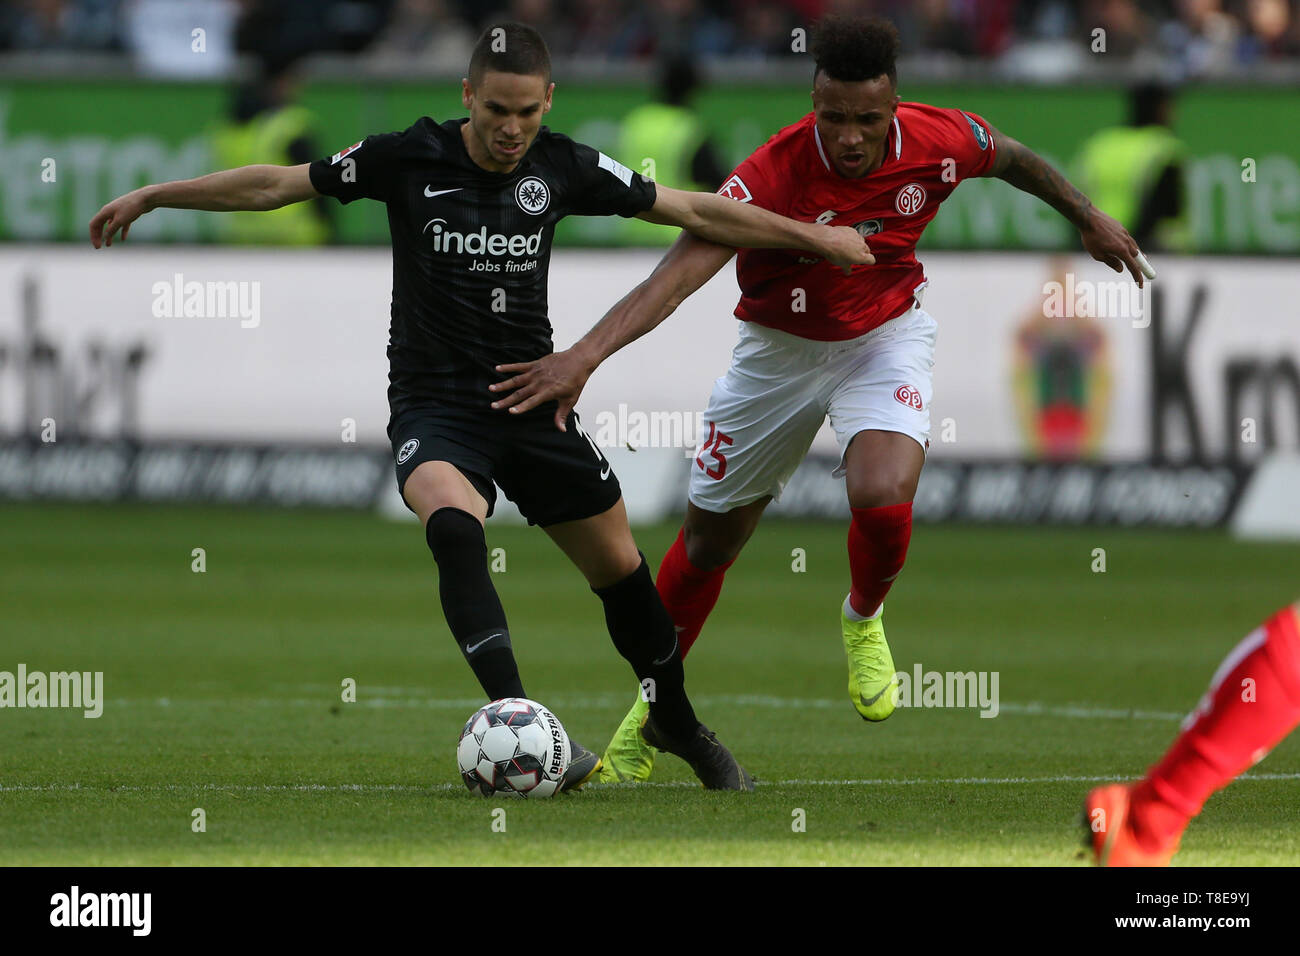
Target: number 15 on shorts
<point>712,448</point>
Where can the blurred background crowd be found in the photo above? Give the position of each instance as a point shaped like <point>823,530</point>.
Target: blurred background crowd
<point>1188,37</point>
<point>1174,116</point>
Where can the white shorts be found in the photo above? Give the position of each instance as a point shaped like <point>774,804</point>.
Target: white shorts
<point>764,413</point>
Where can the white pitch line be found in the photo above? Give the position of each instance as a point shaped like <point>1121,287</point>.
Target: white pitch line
<point>761,702</point>
<point>228,788</point>
<point>412,788</point>
<point>1086,712</point>
<point>980,781</point>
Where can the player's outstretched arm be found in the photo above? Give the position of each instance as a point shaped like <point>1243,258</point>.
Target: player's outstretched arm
<point>740,224</point>
<point>561,376</point>
<point>250,188</point>
<point>1104,238</point>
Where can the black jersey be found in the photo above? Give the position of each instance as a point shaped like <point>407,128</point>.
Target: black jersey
<point>471,249</point>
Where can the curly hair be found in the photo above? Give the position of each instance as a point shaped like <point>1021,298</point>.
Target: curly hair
<point>853,48</point>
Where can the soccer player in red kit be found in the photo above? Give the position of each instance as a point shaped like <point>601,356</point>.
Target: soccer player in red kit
<point>817,342</point>
<point>1252,704</point>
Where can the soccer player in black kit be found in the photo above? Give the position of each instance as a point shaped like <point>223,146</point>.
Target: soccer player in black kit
<point>472,206</point>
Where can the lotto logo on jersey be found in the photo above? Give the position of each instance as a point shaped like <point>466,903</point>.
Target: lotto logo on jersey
<point>909,396</point>
<point>733,188</point>
<point>337,158</point>
<point>910,199</point>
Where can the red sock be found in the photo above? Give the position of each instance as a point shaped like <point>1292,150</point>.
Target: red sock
<point>878,540</point>
<point>688,592</point>
<point>1253,702</point>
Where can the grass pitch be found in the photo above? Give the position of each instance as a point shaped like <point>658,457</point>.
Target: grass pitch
<point>223,693</point>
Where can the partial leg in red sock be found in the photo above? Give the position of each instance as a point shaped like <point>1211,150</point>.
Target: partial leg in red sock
<point>688,592</point>
<point>1253,702</point>
<point>878,539</point>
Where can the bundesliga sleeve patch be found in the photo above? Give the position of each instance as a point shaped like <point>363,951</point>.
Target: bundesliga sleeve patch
<point>735,189</point>
<point>981,134</point>
<point>618,169</point>
<point>339,156</point>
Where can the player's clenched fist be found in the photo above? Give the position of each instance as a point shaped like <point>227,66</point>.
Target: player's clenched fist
<point>845,247</point>
<point>117,216</point>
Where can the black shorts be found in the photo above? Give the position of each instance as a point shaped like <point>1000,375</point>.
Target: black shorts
<point>550,475</point>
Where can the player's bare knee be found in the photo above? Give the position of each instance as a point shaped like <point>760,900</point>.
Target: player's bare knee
<point>880,491</point>
<point>437,484</point>
<point>422,494</point>
<point>622,561</point>
<point>609,569</point>
<point>629,565</point>
<point>710,550</point>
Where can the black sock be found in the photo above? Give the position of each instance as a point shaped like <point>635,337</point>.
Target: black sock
<point>643,633</point>
<point>470,602</point>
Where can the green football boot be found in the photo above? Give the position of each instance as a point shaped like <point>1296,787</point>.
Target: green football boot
<point>872,682</point>
<point>628,758</point>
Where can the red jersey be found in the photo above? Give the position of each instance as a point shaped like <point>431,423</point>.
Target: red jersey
<point>927,153</point>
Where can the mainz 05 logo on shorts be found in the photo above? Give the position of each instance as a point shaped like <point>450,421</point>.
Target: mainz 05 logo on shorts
<point>910,199</point>
<point>906,394</point>
<point>532,195</point>
<point>407,450</point>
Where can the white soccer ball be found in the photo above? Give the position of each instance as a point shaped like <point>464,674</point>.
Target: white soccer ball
<point>513,746</point>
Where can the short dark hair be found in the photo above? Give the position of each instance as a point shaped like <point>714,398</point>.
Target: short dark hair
<point>510,48</point>
<point>678,79</point>
<point>853,48</point>
<point>1148,103</point>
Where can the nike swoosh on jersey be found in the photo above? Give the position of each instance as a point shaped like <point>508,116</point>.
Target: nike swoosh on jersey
<point>441,192</point>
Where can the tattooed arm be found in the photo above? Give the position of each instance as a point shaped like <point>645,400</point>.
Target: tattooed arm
<point>1103,237</point>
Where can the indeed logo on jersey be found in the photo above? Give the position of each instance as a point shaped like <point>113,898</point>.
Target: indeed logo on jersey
<point>482,242</point>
